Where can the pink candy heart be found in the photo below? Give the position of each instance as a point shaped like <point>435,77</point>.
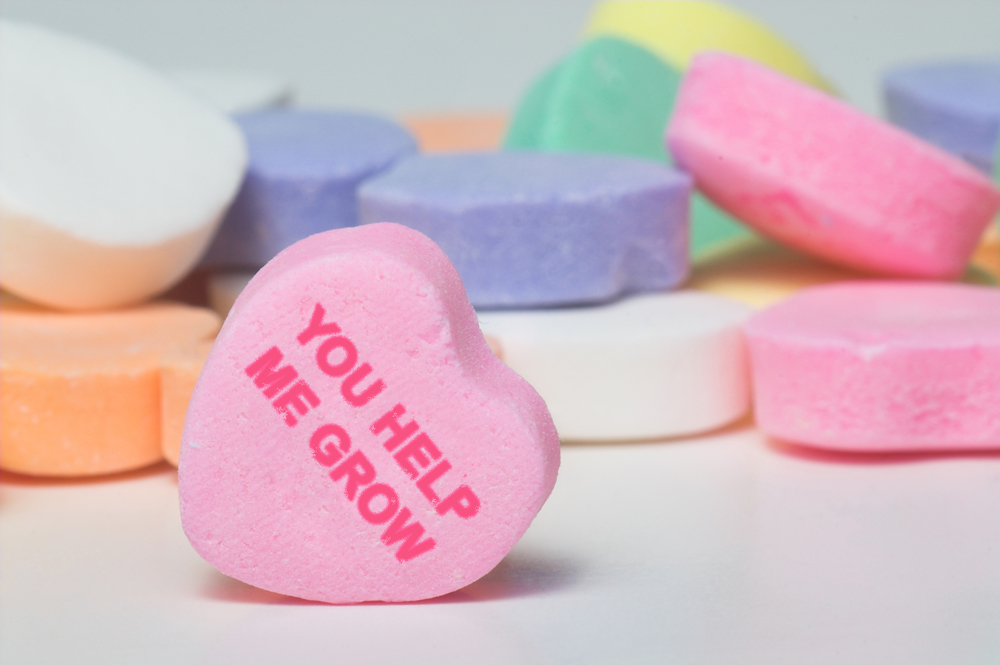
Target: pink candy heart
<point>352,437</point>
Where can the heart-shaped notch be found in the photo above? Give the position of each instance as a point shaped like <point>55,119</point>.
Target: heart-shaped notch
<point>352,437</point>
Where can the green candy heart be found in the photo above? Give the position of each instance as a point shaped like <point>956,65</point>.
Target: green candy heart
<point>611,96</point>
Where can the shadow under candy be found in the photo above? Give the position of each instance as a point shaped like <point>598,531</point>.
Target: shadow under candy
<point>516,576</point>
<point>12,478</point>
<point>809,454</point>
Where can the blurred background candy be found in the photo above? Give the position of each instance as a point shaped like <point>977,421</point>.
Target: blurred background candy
<point>816,174</point>
<point>615,93</point>
<point>112,181</point>
<point>305,167</point>
<point>954,105</point>
<point>533,230</point>
<point>80,392</point>
<point>530,232</point>
<point>646,367</point>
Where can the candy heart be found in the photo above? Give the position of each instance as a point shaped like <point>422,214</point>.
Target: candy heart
<point>112,180</point>
<point>179,372</point>
<point>531,229</point>
<point>352,437</point>
<point>677,31</point>
<point>773,153</point>
<point>871,366</point>
<point>650,366</point>
<point>80,391</point>
<point>953,104</point>
<point>613,97</point>
<point>304,171</point>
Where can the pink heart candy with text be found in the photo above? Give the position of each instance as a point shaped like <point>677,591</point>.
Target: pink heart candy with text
<point>351,437</point>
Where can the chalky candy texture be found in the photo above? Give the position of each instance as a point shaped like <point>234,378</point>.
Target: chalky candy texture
<point>537,229</point>
<point>611,96</point>
<point>225,288</point>
<point>650,366</point>
<point>954,105</point>
<point>305,168</point>
<point>773,153</point>
<point>80,392</point>
<point>606,96</point>
<point>300,472</point>
<point>880,366</point>
<point>112,181</point>
<point>678,30</point>
<point>179,371</point>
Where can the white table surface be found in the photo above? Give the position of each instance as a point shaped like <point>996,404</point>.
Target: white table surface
<point>721,549</point>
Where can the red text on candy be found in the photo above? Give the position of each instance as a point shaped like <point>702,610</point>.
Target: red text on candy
<point>377,503</point>
<point>272,379</point>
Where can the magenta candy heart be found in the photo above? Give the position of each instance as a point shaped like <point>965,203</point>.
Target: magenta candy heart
<point>352,437</point>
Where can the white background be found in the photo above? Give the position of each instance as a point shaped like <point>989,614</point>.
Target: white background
<point>415,55</point>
